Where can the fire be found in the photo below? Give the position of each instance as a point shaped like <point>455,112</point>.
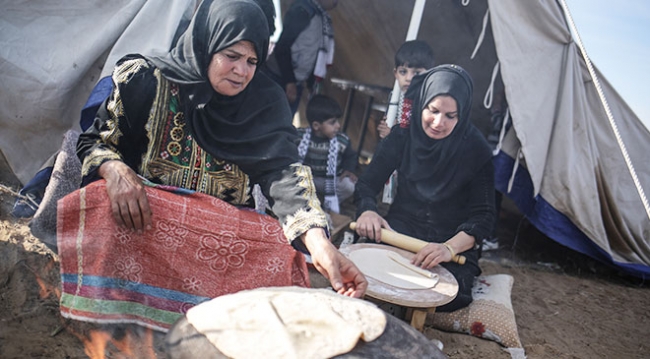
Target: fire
<point>130,345</point>
<point>115,341</point>
<point>46,289</point>
<point>95,344</point>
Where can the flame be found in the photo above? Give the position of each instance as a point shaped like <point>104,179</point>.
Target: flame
<point>132,342</point>
<point>135,346</point>
<point>95,344</point>
<point>46,289</point>
<point>130,345</point>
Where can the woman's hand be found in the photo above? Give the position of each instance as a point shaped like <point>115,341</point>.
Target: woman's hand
<point>345,277</point>
<point>369,224</point>
<point>435,253</point>
<point>383,129</point>
<point>431,255</point>
<point>127,195</point>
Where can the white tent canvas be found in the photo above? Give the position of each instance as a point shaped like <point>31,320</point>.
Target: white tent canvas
<point>573,151</point>
<point>53,52</point>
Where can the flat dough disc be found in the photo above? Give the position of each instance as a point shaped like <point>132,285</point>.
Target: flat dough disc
<point>376,263</point>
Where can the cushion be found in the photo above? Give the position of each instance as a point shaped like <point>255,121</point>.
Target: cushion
<point>490,316</point>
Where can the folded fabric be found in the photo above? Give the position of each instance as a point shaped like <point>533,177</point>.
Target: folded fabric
<point>198,248</point>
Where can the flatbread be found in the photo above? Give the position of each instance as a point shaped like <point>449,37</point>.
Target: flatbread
<point>286,322</point>
<point>378,264</point>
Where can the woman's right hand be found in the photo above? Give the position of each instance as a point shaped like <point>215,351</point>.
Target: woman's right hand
<point>369,224</point>
<point>127,195</point>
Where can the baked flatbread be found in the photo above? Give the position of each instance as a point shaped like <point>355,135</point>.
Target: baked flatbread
<point>287,322</point>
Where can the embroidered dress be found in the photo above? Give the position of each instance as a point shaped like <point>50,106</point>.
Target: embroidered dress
<point>155,141</point>
<point>166,121</point>
<point>203,245</point>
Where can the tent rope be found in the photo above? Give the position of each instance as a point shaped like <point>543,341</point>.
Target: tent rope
<point>610,117</point>
<point>511,181</point>
<point>481,37</point>
<point>502,133</point>
<point>487,100</point>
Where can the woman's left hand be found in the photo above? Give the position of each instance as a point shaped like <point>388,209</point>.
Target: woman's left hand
<point>345,277</point>
<point>431,255</point>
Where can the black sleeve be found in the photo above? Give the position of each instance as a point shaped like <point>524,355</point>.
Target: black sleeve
<point>118,131</point>
<point>295,21</point>
<point>481,209</point>
<point>293,199</point>
<point>384,162</point>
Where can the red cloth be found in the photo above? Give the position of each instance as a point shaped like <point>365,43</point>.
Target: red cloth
<point>199,248</point>
<point>405,117</point>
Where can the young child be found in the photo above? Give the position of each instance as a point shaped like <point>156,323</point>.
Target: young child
<point>328,152</point>
<point>412,58</point>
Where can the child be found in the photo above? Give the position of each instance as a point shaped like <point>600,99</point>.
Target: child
<point>328,152</point>
<point>412,58</point>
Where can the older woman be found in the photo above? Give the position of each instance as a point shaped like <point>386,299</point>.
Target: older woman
<point>446,179</point>
<point>203,118</point>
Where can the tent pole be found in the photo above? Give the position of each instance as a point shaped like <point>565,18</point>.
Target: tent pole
<point>278,21</point>
<point>411,34</point>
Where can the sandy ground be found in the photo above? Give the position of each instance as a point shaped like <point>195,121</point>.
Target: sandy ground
<point>566,305</point>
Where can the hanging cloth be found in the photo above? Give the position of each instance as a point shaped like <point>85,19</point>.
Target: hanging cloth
<point>326,52</point>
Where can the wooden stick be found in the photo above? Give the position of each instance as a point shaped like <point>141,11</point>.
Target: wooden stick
<point>407,242</point>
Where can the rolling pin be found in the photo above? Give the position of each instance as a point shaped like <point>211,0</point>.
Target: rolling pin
<point>407,242</point>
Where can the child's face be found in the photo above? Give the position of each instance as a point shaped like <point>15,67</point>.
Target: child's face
<point>404,74</point>
<point>328,128</point>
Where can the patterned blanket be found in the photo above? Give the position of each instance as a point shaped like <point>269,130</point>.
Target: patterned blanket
<point>199,248</point>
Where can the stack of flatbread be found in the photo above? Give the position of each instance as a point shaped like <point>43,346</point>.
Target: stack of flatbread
<point>287,322</point>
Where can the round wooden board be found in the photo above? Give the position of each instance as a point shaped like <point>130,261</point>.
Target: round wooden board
<point>442,293</point>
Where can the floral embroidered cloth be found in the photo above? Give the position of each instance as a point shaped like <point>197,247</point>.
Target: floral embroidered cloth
<point>198,248</point>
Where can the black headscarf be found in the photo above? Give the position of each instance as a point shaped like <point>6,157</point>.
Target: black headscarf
<point>252,129</point>
<point>437,168</point>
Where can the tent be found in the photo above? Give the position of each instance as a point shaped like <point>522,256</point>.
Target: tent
<point>571,160</point>
<point>52,54</point>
